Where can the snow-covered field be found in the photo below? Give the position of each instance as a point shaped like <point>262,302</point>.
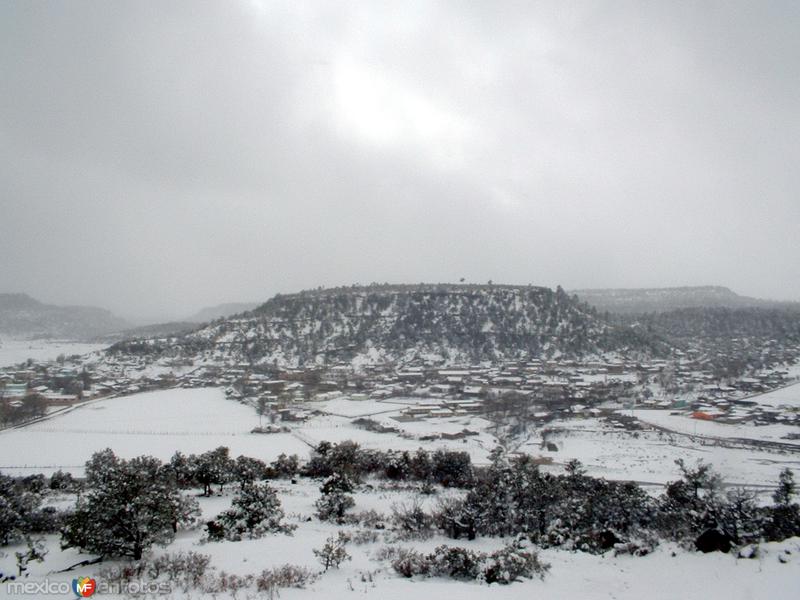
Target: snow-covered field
<point>649,456</point>
<point>338,429</point>
<point>196,420</point>
<point>666,574</point>
<point>156,423</point>
<point>13,351</point>
<point>787,396</point>
<point>684,423</point>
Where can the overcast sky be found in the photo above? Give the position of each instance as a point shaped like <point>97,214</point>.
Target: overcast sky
<point>162,156</point>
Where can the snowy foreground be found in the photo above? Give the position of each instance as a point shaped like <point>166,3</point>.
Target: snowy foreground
<point>197,420</point>
<point>669,573</point>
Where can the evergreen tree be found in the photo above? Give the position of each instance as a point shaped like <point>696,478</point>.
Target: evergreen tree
<point>247,471</point>
<point>212,467</point>
<point>18,509</point>
<point>129,506</point>
<point>784,516</point>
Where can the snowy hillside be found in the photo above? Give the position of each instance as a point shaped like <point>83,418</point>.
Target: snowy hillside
<point>433,323</point>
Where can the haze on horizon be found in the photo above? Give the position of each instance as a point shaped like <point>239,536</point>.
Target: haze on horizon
<point>159,157</point>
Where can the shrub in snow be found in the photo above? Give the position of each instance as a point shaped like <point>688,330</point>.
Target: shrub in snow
<point>504,566</point>
<point>451,468</point>
<point>286,576</point>
<point>364,536</point>
<point>255,512</point>
<point>456,517</point>
<point>226,583</point>
<point>121,574</point>
<point>337,483</point>
<point>412,521</point>
<point>185,569</point>
<point>513,497</point>
<point>36,484</point>
<point>410,562</point>
<point>63,482</point>
<point>284,466</point>
<point>512,563</point>
<point>19,511</point>
<point>333,553</point>
<point>455,562</point>
<point>372,519</point>
<point>333,506</point>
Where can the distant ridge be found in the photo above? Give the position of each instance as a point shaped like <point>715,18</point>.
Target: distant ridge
<point>23,316</point>
<point>211,313</point>
<point>647,300</point>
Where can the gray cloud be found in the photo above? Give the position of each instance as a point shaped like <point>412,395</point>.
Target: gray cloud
<point>158,157</point>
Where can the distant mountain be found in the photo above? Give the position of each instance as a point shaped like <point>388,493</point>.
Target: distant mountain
<point>752,324</point>
<point>647,300</point>
<point>169,329</point>
<point>212,313</point>
<point>23,316</point>
<point>435,324</point>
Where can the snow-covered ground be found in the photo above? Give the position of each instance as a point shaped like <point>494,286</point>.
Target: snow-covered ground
<point>196,420</point>
<point>156,423</point>
<point>412,434</point>
<point>684,423</point>
<point>668,573</point>
<point>649,456</point>
<point>14,351</point>
<point>788,396</point>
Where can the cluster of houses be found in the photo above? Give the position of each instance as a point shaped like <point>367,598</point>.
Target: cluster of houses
<point>553,386</point>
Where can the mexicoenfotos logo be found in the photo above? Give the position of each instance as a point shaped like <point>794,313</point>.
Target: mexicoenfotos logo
<point>84,587</point>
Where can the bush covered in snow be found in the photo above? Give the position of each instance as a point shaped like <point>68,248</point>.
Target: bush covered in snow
<point>255,512</point>
<point>511,563</point>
